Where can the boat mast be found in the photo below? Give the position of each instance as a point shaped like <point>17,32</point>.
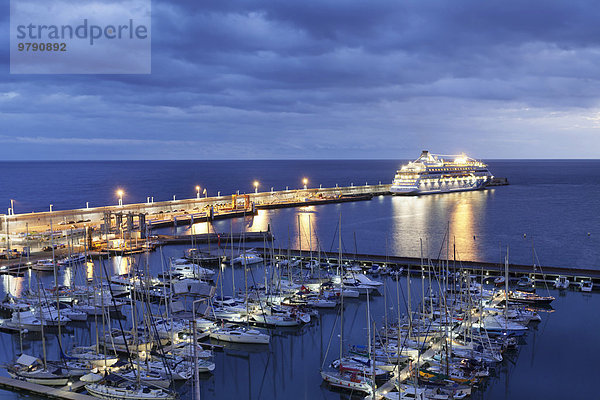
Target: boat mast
<point>506,290</point>
<point>341,290</point>
<point>42,320</point>
<point>300,247</point>
<point>55,270</point>
<point>368,326</point>
<point>408,302</point>
<point>310,244</point>
<point>231,258</point>
<point>245,278</point>
<point>446,309</point>
<point>398,326</point>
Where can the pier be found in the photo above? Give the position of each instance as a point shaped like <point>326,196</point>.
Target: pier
<point>174,212</point>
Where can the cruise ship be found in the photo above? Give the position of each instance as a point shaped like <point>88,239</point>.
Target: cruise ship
<point>432,173</point>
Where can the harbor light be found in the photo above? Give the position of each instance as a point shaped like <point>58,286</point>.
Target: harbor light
<point>255,186</point>
<point>12,207</point>
<point>197,192</point>
<point>305,181</point>
<point>51,207</point>
<point>120,193</point>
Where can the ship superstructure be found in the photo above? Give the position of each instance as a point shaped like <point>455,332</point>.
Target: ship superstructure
<point>433,173</point>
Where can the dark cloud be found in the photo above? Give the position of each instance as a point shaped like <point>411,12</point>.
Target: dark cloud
<point>327,79</point>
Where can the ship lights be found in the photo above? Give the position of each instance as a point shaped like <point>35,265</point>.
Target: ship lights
<point>462,159</point>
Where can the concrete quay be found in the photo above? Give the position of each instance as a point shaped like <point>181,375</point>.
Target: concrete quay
<point>200,207</point>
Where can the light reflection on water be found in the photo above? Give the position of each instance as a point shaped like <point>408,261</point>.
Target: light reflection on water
<point>401,222</point>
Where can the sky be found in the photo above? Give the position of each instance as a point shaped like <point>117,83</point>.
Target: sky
<point>326,79</point>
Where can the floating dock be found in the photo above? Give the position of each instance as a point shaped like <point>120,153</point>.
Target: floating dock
<point>223,238</point>
<point>41,390</point>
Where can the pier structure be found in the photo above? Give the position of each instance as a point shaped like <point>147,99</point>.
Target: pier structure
<point>176,211</point>
<point>66,393</point>
<point>489,270</point>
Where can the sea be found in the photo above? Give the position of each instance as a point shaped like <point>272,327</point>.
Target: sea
<point>549,215</point>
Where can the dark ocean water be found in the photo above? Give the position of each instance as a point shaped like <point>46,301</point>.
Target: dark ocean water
<point>555,204</point>
<point>551,206</point>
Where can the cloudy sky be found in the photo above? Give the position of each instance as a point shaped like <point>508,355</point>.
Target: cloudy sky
<point>326,79</point>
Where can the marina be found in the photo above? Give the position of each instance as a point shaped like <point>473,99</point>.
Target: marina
<point>260,299</point>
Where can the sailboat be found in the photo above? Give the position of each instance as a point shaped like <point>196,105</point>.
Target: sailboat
<point>346,376</point>
<point>32,369</point>
<point>248,257</point>
<point>239,334</point>
<point>116,388</point>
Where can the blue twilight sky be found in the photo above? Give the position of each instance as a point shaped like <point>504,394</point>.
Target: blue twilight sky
<point>326,79</point>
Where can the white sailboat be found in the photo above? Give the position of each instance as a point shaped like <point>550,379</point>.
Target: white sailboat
<point>110,390</point>
<point>240,335</point>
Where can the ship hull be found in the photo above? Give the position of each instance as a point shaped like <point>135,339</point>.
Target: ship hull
<point>421,189</point>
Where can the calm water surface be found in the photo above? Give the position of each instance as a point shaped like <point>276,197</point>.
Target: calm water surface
<point>552,207</point>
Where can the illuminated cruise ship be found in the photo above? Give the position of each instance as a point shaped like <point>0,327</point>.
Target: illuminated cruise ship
<point>431,173</point>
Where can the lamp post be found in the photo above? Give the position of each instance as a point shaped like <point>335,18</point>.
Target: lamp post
<point>305,181</point>
<point>120,193</point>
<point>255,186</point>
<point>197,192</point>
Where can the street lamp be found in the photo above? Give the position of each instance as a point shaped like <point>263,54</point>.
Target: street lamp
<point>255,186</point>
<point>120,193</point>
<point>305,181</point>
<point>197,192</point>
